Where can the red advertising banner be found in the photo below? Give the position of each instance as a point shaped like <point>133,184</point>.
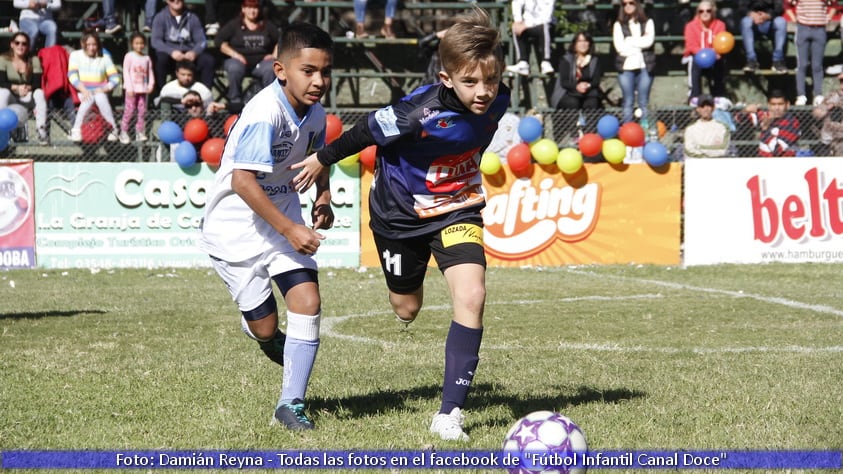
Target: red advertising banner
<point>17,221</point>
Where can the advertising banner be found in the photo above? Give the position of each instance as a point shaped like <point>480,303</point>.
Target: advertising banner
<point>113,215</point>
<point>17,223</point>
<point>756,210</point>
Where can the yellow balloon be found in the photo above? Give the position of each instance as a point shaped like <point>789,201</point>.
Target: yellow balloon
<point>349,160</point>
<point>544,151</point>
<point>490,163</point>
<point>614,150</point>
<point>569,160</point>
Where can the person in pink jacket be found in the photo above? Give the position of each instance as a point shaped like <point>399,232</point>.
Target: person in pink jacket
<point>699,34</point>
<point>138,82</point>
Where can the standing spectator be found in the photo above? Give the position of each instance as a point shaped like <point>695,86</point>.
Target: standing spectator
<point>811,17</point>
<point>764,18</point>
<point>36,16</point>
<point>138,83</point>
<point>532,21</point>
<point>779,128</point>
<point>706,137</point>
<point>388,16</point>
<point>699,34</point>
<point>110,16</point>
<point>251,44</point>
<point>20,82</point>
<point>578,78</point>
<point>633,35</point>
<point>94,76</point>
<point>177,35</point>
<point>832,130</point>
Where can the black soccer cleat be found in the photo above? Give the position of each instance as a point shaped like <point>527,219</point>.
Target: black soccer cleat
<point>292,416</point>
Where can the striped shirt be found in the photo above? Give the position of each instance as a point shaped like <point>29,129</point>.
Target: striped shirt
<point>91,72</point>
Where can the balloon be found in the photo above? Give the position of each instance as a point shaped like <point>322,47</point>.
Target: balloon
<point>490,163</point>
<point>544,151</point>
<point>170,133</point>
<point>4,139</point>
<point>662,128</point>
<point>591,144</point>
<point>196,130</point>
<point>518,158</point>
<point>229,122</point>
<point>333,128</point>
<point>185,154</point>
<point>607,126</point>
<point>655,154</point>
<point>350,160</point>
<point>368,157</point>
<point>211,151</point>
<point>8,120</point>
<point>569,160</point>
<point>631,134</point>
<point>705,58</point>
<point>723,42</point>
<point>530,129</point>
<point>614,150</point>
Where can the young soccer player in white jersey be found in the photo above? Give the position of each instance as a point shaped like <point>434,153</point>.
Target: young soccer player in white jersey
<point>427,194</point>
<point>253,227</point>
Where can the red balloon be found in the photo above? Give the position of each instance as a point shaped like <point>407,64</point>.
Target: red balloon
<point>229,122</point>
<point>196,130</point>
<point>211,151</point>
<point>631,134</point>
<point>591,144</point>
<point>518,158</point>
<point>367,157</point>
<point>333,128</point>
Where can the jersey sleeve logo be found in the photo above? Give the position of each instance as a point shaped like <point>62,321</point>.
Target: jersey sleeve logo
<point>387,121</point>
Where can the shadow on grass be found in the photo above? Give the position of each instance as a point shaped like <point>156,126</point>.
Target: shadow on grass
<point>49,314</point>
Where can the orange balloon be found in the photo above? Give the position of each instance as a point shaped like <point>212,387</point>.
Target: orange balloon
<point>196,130</point>
<point>229,122</point>
<point>211,151</point>
<point>591,144</point>
<point>723,42</point>
<point>662,128</point>
<point>333,128</point>
<point>518,158</point>
<point>631,134</point>
<point>368,157</point>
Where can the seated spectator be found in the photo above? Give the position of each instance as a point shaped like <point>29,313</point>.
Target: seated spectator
<point>811,18</point>
<point>764,18</point>
<point>174,91</point>
<point>706,137</point>
<point>699,34</point>
<point>532,23</point>
<point>178,35</point>
<point>578,78</point>
<point>36,17</point>
<point>251,45</point>
<point>779,128</point>
<point>94,76</point>
<point>831,132</point>
<point>110,16</point>
<point>20,82</point>
<point>360,17</point>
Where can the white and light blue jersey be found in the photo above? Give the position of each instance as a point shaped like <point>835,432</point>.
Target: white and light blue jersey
<point>267,138</point>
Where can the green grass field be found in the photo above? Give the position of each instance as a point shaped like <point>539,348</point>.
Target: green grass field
<point>641,357</point>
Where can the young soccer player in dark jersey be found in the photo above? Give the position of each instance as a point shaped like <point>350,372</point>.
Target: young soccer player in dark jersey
<point>427,193</point>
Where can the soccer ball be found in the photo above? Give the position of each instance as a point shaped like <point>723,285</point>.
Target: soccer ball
<point>545,442</point>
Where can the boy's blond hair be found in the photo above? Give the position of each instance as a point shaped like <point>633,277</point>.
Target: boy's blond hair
<point>472,41</point>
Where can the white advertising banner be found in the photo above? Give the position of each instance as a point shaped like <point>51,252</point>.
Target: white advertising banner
<point>757,210</point>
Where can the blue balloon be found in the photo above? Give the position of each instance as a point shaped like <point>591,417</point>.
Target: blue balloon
<point>530,129</point>
<point>170,133</point>
<point>8,120</point>
<point>185,154</point>
<point>705,58</point>
<point>607,126</point>
<point>655,154</point>
<point>4,139</point>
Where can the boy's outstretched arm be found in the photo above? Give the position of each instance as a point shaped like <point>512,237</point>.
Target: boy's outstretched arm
<point>349,143</point>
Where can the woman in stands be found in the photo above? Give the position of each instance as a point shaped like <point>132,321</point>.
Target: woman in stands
<point>578,78</point>
<point>20,82</point>
<point>94,75</point>
<point>633,36</point>
<point>699,34</point>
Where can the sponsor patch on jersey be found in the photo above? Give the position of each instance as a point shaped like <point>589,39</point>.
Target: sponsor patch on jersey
<point>387,121</point>
<point>462,234</point>
<point>445,122</point>
<point>281,151</point>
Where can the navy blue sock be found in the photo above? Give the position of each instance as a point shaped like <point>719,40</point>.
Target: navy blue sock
<point>461,357</point>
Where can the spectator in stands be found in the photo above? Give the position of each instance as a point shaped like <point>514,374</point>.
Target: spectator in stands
<point>633,36</point>
<point>178,35</point>
<point>149,9</point>
<point>811,17</point>
<point>251,44</point>
<point>706,137</point>
<point>174,92</point>
<point>764,18</point>
<point>138,83</point>
<point>699,34</point>
<point>36,17</point>
<point>832,130</point>
<point>360,17</point>
<point>532,21</point>
<point>578,78</point>
<point>20,82</point>
<point>110,16</point>
<point>779,128</point>
<point>94,76</point>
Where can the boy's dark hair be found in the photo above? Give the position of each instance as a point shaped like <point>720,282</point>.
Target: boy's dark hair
<point>777,94</point>
<point>303,35</point>
<point>471,41</point>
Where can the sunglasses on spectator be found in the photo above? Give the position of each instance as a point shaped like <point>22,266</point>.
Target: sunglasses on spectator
<point>190,105</point>
<point>704,11</point>
<point>20,43</point>
<point>628,3</point>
